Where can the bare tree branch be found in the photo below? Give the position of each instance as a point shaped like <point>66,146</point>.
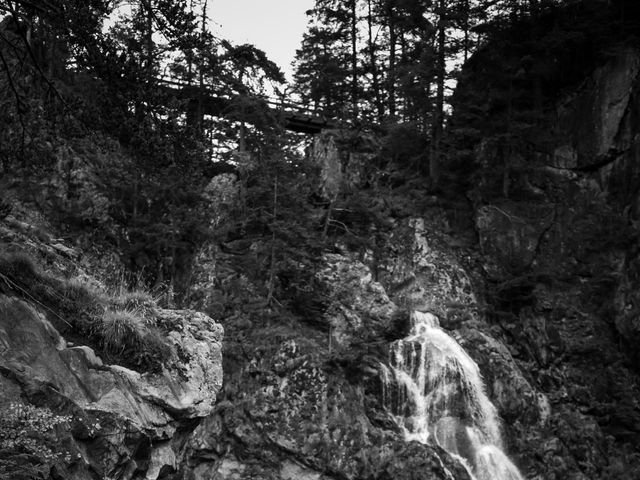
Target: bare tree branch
<point>27,45</point>
<point>41,6</point>
<point>20,106</point>
<point>12,85</point>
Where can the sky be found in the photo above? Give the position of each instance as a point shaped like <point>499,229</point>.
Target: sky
<point>275,26</point>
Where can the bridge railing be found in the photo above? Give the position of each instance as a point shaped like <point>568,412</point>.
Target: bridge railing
<point>274,102</point>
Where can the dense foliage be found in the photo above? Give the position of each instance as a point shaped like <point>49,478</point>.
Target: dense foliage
<point>398,61</point>
<point>93,133</point>
<point>108,123</point>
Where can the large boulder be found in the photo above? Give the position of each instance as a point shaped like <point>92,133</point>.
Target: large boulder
<point>123,424</point>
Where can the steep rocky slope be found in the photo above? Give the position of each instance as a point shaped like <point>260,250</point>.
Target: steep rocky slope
<point>70,411</point>
<point>555,208</point>
<point>542,299</point>
<point>303,395</point>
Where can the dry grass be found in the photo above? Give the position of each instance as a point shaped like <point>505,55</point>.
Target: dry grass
<point>120,330</point>
<point>126,332</point>
<point>119,327</point>
<point>139,300</point>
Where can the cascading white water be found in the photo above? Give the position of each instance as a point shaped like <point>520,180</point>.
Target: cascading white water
<point>436,394</point>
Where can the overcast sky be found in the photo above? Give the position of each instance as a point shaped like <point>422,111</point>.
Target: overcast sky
<point>275,26</point>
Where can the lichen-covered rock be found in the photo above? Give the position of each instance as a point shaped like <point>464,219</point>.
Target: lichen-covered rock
<point>190,389</point>
<point>422,275</point>
<point>344,159</point>
<point>123,421</point>
<point>358,306</point>
<point>510,235</point>
<point>327,156</point>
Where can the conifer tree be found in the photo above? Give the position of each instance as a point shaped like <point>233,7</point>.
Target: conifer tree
<point>326,63</point>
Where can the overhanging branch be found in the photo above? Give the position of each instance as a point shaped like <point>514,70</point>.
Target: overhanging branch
<point>27,46</point>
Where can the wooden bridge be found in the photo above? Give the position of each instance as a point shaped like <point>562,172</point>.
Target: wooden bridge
<point>293,116</point>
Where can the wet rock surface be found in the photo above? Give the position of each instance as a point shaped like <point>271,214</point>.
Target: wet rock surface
<point>307,397</point>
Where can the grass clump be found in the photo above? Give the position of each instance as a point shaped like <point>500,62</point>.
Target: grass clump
<point>125,333</point>
<point>139,300</point>
<point>120,327</point>
<point>19,266</point>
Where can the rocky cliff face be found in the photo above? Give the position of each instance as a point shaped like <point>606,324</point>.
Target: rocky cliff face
<point>123,424</point>
<point>558,245</point>
<point>304,390</point>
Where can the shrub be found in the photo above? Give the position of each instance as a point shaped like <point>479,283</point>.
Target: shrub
<point>5,208</point>
<point>123,333</point>
<point>120,329</point>
<point>139,300</point>
<point>28,441</point>
<point>81,300</point>
<point>20,267</point>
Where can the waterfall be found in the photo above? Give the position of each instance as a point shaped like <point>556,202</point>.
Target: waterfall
<point>435,393</point>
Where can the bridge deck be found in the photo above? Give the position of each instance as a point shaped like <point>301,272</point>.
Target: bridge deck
<point>295,117</point>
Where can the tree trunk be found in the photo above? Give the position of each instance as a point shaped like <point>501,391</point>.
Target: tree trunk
<point>354,58</point>
<point>149,39</point>
<point>466,30</point>
<point>438,115</point>
<point>142,103</point>
<point>201,92</point>
<point>242,144</point>
<point>328,101</point>
<point>190,52</point>
<point>377,98</point>
<point>391,75</point>
<point>405,99</point>
<point>272,262</point>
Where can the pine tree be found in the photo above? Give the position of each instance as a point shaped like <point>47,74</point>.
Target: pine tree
<point>325,73</point>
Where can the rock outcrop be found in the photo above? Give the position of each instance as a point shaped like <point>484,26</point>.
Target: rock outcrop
<point>124,424</point>
<point>70,412</point>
